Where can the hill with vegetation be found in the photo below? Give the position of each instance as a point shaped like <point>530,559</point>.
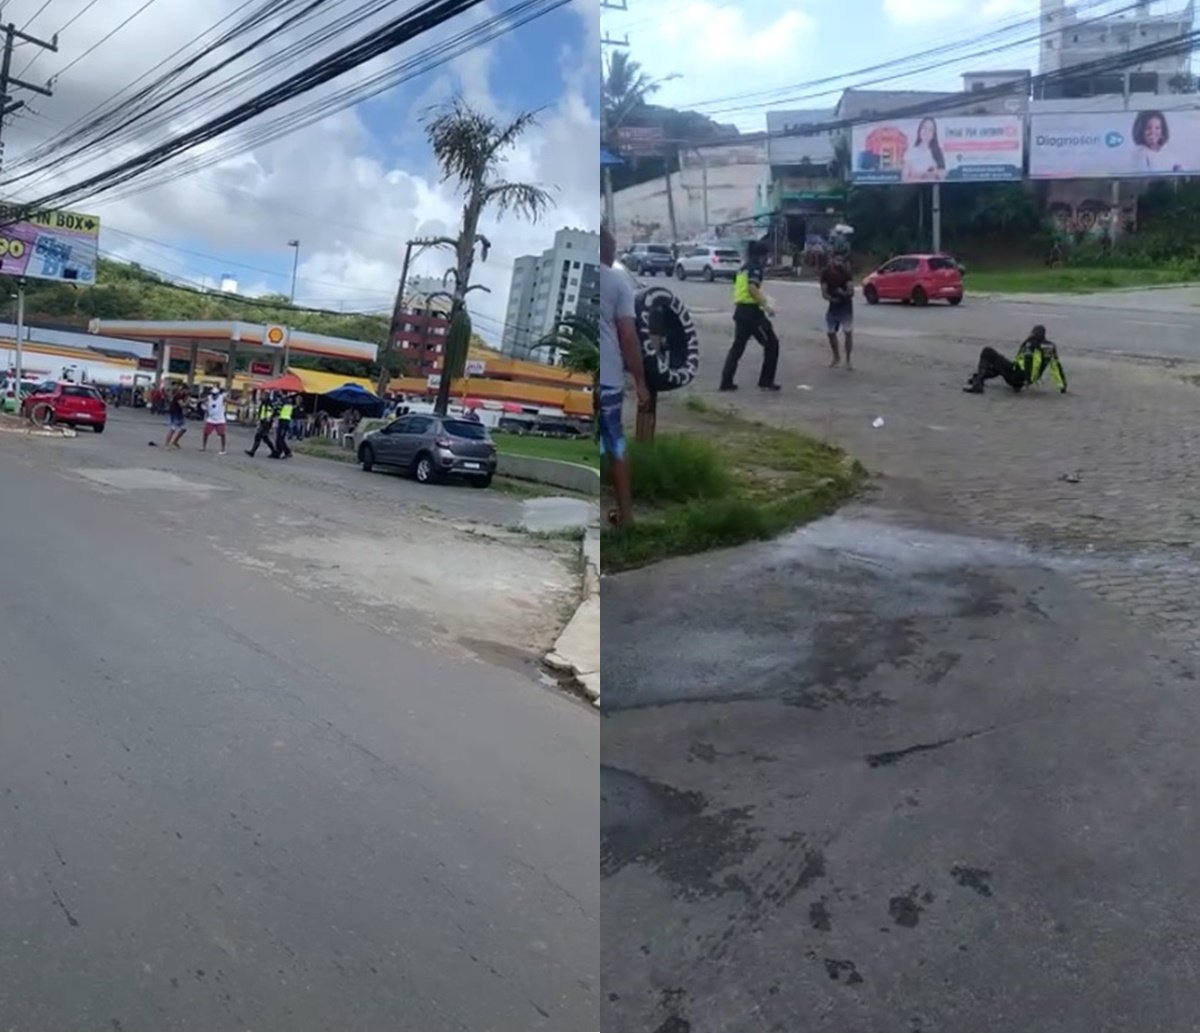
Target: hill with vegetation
<point>128,291</point>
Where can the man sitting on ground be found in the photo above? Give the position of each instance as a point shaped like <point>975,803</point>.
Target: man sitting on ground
<point>1034,357</point>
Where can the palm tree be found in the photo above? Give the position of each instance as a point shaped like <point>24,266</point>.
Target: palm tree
<point>626,88</point>
<point>578,338</point>
<point>469,146</point>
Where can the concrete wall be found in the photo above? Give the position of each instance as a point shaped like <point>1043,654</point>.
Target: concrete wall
<point>733,190</point>
<point>570,476</point>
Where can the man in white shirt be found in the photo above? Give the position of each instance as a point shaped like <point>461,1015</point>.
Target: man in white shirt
<point>214,419</point>
<point>620,351</point>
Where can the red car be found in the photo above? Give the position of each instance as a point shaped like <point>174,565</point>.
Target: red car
<point>75,405</point>
<point>915,279</point>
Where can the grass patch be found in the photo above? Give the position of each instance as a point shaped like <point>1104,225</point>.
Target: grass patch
<point>568,450</point>
<point>1069,280</point>
<point>323,448</point>
<point>730,482</point>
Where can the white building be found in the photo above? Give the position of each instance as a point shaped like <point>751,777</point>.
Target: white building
<point>418,291</point>
<point>229,284</point>
<point>1071,37</point>
<point>719,185</point>
<point>564,280</point>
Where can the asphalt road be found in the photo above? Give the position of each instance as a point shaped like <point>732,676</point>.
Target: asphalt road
<point>1159,323</point>
<point>230,804</point>
<point>873,778</point>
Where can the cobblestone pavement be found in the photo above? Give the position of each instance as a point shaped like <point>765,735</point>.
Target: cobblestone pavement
<point>1002,465</point>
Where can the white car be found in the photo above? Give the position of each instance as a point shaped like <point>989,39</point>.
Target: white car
<point>709,261</point>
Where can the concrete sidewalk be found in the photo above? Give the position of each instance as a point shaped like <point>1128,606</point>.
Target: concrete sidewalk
<point>577,649</point>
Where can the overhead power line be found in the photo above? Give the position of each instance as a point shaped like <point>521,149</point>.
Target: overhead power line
<point>420,19</point>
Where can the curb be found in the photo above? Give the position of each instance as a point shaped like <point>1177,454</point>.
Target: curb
<point>576,651</point>
<point>35,432</point>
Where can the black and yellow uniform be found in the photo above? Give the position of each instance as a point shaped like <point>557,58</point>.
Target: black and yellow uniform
<point>1035,356</point>
<point>750,320</point>
<point>266,414</point>
<point>283,423</point>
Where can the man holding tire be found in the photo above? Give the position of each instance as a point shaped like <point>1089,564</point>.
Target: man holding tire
<point>620,351</point>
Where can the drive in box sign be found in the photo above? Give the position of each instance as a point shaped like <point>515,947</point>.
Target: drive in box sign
<point>959,148</point>
<point>48,244</point>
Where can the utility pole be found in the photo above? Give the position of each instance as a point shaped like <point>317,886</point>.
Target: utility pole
<point>8,105</point>
<point>670,193</point>
<point>419,243</point>
<point>606,172</point>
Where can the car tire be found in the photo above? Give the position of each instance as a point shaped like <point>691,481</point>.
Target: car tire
<point>956,301</point>
<point>871,293</point>
<point>41,414</point>
<point>481,482</point>
<point>98,428</point>
<point>366,456</point>
<point>676,364</point>
<point>708,274</point>
<point>423,470</point>
<point>680,273</point>
<point>919,297</point>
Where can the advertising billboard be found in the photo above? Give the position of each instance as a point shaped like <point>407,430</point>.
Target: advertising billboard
<point>953,148</point>
<point>48,244</point>
<point>1113,144</point>
<point>809,147</point>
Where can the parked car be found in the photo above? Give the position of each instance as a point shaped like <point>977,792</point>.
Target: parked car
<point>8,392</point>
<point>432,448</point>
<point>651,259</point>
<point>75,405</point>
<point>709,261</point>
<point>915,279</point>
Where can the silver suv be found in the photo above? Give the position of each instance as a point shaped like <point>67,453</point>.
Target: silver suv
<point>708,261</point>
<point>649,258</point>
<point>432,448</point>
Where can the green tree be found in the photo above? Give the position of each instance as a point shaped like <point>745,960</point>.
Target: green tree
<point>578,339</point>
<point>625,88</point>
<point>470,146</point>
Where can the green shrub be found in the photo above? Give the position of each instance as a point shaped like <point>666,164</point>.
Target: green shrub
<point>678,468</point>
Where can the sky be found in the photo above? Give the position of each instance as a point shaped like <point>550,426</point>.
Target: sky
<point>351,188</point>
<point>724,50</point>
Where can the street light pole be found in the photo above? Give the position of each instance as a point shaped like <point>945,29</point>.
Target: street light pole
<point>295,246</point>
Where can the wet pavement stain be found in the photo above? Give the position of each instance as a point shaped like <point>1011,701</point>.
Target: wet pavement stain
<point>905,910</point>
<point>819,917</point>
<point>671,831</point>
<point>889,757</point>
<point>839,970</point>
<point>977,879</point>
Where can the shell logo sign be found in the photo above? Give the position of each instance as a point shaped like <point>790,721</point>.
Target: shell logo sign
<point>275,336</point>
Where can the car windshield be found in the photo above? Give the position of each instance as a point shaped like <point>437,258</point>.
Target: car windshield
<point>726,253</point>
<point>658,249</point>
<point>466,429</point>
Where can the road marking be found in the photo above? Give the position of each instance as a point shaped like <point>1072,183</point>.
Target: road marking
<point>1147,322</point>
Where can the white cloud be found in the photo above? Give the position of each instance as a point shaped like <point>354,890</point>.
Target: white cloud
<point>352,198</point>
<point>920,12</point>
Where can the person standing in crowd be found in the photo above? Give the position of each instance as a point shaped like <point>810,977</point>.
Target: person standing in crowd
<point>176,418</point>
<point>214,419</point>
<point>620,352</point>
<point>752,318</point>
<point>283,425</point>
<point>837,288</point>
<point>262,436</point>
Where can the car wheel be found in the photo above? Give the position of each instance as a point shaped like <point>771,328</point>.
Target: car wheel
<point>98,428</point>
<point>423,469</point>
<point>366,456</point>
<point>871,294</point>
<point>708,274</point>
<point>481,482</point>
<point>679,273</point>
<point>956,301</point>
<point>42,414</point>
<point>919,297</point>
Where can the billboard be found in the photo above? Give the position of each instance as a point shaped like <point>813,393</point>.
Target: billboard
<point>1113,144</point>
<point>48,244</point>
<point>641,141</point>
<point>952,149</point>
